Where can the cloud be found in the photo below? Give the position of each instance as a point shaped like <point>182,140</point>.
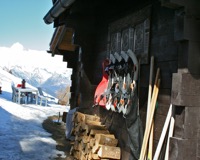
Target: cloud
<point>18,55</point>
<point>17,47</point>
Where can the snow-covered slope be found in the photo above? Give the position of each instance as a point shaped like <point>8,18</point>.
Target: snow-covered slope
<point>22,136</point>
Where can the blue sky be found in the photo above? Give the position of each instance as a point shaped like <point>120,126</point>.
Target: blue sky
<point>22,22</point>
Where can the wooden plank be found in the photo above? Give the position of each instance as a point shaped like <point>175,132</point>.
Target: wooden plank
<point>109,152</point>
<point>171,130</point>
<point>150,87</point>
<point>56,38</point>
<point>150,150</point>
<point>152,109</point>
<point>68,36</point>
<point>163,134</point>
<point>67,47</point>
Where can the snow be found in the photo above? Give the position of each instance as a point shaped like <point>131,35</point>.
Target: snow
<point>22,136</point>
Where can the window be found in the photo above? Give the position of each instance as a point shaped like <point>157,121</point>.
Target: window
<point>131,32</point>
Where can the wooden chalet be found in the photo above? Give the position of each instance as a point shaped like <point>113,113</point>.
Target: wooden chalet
<point>88,31</point>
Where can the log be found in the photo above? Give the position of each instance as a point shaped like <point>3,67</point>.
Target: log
<point>101,139</point>
<point>109,152</point>
<point>76,145</point>
<point>89,127</point>
<point>77,128</point>
<point>85,139</point>
<point>71,150</point>
<point>78,138</point>
<point>81,117</point>
<point>88,148</point>
<point>95,131</point>
<point>95,156</point>
<point>103,136</point>
<point>83,145</point>
<point>93,122</point>
<point>90,135</point>
<point>76,154</point>
<point>92,142</point>
<point>83,157</point>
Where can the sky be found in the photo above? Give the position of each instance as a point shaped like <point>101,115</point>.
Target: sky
<point>22,136</point>
<point>22,22</point>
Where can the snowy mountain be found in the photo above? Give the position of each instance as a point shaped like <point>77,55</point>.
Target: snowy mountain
<point>50,81</point>
<point>38,68</point>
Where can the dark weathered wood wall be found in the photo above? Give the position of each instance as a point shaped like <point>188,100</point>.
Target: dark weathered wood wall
<point>167,45</point>
<point>162,47</point>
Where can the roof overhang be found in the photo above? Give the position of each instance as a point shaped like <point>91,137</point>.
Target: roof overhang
<point>59,7</point>
<point>62,39</point>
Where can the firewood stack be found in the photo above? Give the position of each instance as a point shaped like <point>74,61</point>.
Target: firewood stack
<point>92,140</point>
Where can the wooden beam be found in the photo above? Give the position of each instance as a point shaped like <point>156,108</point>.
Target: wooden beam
<point>56,38</point>
<point>67,47</point>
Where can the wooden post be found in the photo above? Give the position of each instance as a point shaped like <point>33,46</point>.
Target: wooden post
<point>150,150</point>
<point>150,119</point>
